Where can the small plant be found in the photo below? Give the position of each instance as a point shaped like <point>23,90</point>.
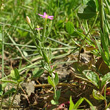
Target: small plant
<point>77,104</point>
<point>54,80</point>
<point>47,57</point>
<point>16,80</point>
<point>71,28</point>
<point>99,82</point>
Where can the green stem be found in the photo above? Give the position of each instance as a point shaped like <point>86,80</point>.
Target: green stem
<point>101,12</point>
<point>55,92</point>
<point>34,40</point>
<point>33,36</point>
<point>55,95</point>
<point>43,37</point>
<point>40,43</point>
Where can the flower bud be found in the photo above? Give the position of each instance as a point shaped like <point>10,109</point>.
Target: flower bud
<point>53,75</point>
<point>28,20</point>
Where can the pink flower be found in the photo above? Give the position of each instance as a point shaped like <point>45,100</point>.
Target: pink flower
<point>46,16</point>
<point>38,28</point>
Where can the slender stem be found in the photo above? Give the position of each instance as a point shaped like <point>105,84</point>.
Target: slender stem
<point>101,12</point>
<point>40,43</point>
<point>43,37</point>
<point>33,36</point>
<point>34,40</point>
<point>55,93</point>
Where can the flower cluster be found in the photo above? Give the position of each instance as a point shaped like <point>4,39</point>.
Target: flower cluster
<point>46,17</point>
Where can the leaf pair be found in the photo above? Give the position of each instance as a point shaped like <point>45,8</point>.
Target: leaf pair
<point>15,74</point>
<point>75,106</point>
<point>37,73</point>
<point>95,79</point>
<point>8,92</point>
<point>98,82</point>
<point>54,80</point>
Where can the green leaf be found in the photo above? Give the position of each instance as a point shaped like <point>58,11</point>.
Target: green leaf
<point>1,91</point>
<point>101,51</point>
<point>15,74</point>
<point>58,94</point>
<point>4,85</point>
<point>105,41</point>
<point>97,95</point>
<point>85,1</point>
<point>72,5</point>
<point>54,102</point>
<point>97,5</point>
<point>98,45</point>
<point>105,79</point>
<point>60,24</point>
<point>50,81</point>
<point>71,104</point>
<point>79,33</point>
<point>9,81</point>
<point>37,73</point>
<point>27,2</point>
<point>45,57</point>
<point>13,90</point>
<point>0,87</point>
<point>92,107</point>
<point>92,76</point>
<point>22,33</point>
<point>56,79</point>
<point>25,53</point>
<point>87,11</point>
<point>0,36</point>
<point>69,27</point>
<point>105,44</point>
<point>78,103</point>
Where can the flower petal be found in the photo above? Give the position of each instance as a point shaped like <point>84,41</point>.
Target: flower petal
<point>46,16</point>
<point>45,13</point>
<point>38,28</point>
<point>50,17</point>
<point>40,15</point>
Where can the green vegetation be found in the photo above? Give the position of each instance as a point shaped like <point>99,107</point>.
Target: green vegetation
<point>39,36</point>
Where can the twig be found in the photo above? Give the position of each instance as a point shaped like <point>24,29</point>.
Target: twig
<point>7,107</point>
<point>25,94</point>
<point>60,84</point>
